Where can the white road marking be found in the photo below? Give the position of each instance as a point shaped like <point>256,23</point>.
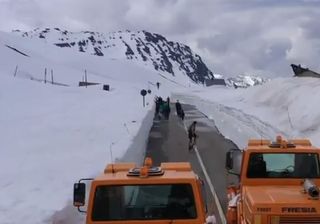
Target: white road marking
<point>212,190</point>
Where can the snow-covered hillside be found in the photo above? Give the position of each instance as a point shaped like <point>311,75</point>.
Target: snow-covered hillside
<point>53,134</point>
<point>143,47</point>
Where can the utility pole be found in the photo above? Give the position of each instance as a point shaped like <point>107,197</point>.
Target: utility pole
<point>45,75</point>
<point>52,76</point>
<point>15,71</point>
<point>85,78</point>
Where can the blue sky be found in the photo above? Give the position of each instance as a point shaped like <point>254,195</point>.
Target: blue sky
<point>233,37</point>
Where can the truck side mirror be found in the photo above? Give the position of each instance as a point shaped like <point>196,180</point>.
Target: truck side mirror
<point>233,161</point>
<point>229,160</point>
<point>79,194</point>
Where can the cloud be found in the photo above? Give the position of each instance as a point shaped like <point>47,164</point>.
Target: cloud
<point>263,39</point>
<point>232,36</point>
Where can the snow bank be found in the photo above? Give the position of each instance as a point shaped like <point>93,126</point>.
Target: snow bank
<point>286,106</point>
<point>52,136</point>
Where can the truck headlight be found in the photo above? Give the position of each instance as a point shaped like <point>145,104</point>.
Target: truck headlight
<point>257,219</point>
<point>275,220</point>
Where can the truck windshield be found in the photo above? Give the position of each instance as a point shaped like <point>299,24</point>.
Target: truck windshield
<point>143,202</point>
<point>283,165</point>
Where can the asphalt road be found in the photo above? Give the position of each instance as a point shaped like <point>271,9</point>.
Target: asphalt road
<point>168,142</point>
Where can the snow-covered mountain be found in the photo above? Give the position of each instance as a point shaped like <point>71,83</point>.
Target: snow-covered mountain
<point>142,46</point>
<point>245,81</point>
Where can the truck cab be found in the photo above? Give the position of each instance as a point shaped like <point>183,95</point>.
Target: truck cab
<point>278,183</point>
<point>125,193</point>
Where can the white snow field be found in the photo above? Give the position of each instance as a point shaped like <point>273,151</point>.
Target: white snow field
<point>285,106</point>
<point>53,135</point>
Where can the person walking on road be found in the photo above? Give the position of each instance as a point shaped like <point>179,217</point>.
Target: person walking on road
<point>166,110</point>
<point>178,108</point>
<point>157,102</point>
<point>192,135</point>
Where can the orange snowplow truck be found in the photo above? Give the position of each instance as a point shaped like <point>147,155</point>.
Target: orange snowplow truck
<point>124,193</point>
<point>278,183</point>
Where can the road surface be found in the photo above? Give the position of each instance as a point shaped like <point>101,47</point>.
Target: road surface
<point>168,142</point>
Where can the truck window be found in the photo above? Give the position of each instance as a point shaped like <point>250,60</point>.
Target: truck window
<point>143,202</point>
<point>283,165</point>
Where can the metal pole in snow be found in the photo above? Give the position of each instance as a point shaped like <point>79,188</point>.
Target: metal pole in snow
<point>45,75</point>
<point>15,71</point>
<point>52,76</point>
<point>85,77</point>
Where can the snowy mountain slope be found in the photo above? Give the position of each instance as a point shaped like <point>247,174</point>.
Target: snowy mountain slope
<point>149,49</point>
<point>51,135</point>
<point>69,66</point>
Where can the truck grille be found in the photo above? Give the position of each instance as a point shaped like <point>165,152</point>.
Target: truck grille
<point>298,220</point>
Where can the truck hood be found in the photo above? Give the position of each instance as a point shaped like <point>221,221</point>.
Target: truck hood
<point>280,199</point>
